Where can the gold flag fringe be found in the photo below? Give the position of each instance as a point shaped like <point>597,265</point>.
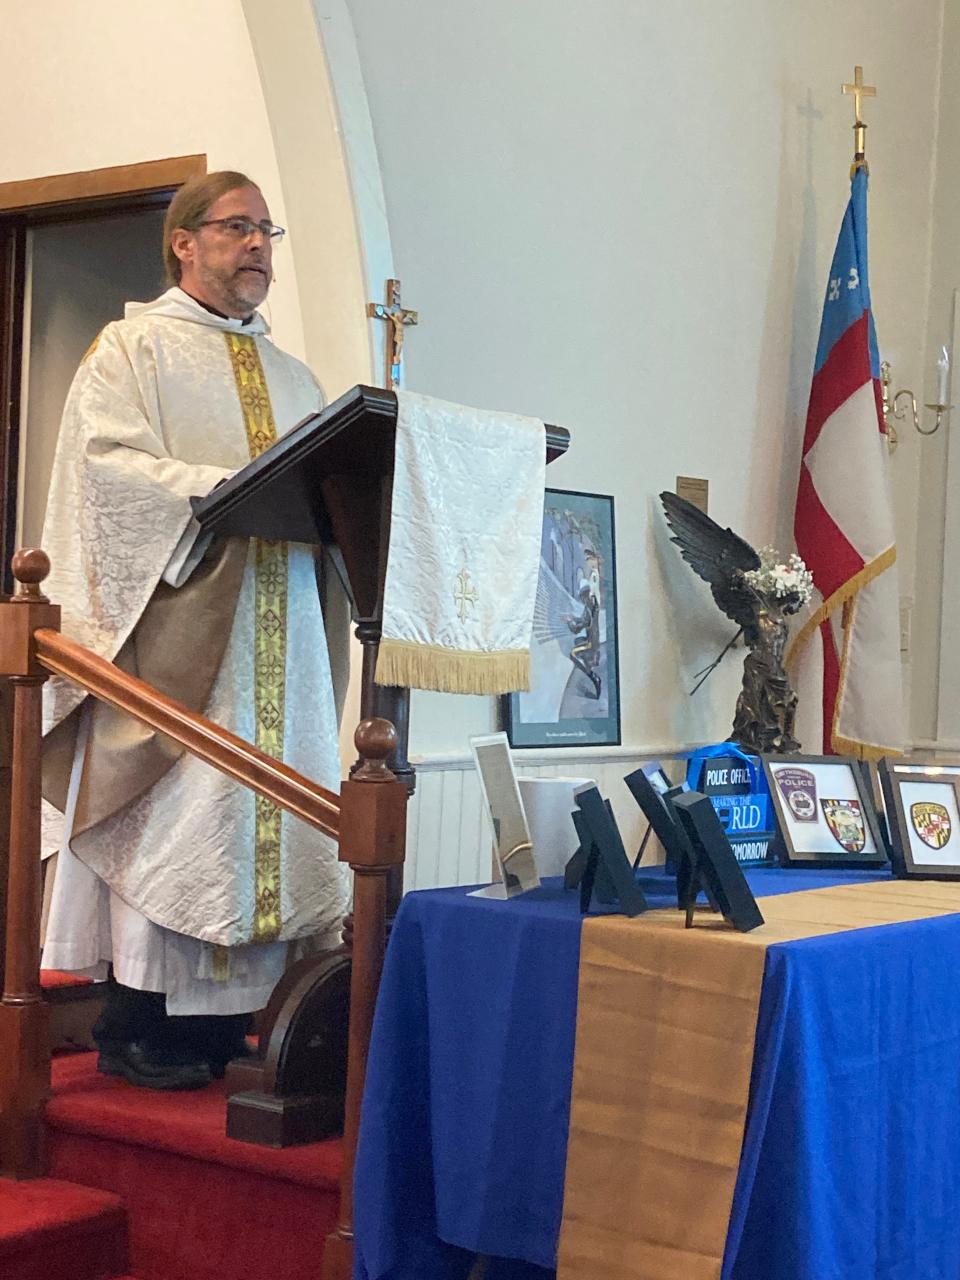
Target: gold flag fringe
<point>846,595</point>
<point>840,743</point>
<point>429,666</point>
<point>843,593</point>
<point>861,750</point>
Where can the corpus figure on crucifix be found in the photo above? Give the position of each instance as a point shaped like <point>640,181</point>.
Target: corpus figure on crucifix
<point>395,315</point>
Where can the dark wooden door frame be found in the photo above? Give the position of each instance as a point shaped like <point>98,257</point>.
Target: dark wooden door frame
<point>64,192</point>
<point>62,197</point>
<point>13,245</point>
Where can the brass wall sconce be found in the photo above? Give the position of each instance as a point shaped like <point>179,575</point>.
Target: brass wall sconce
<point>894,409</point>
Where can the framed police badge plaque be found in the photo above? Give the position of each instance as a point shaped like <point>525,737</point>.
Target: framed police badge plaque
<point>825,812</point>
<point>923,814</point>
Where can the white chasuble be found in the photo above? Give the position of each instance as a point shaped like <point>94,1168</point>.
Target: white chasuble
<point>165,405</point>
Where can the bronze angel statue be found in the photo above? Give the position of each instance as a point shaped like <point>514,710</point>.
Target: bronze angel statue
<point>759,594</point>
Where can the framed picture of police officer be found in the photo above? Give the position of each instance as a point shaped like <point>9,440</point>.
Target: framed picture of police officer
<point>574,695</point>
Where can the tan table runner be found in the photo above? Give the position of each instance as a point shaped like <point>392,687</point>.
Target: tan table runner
<point>666,1022</point>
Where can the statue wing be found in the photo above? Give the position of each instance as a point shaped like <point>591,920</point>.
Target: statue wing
<point>717,555</point>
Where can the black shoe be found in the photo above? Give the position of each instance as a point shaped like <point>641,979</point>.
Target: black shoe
<point>218,1066</point>
<point>596,684</point>
<point>130,1061</point>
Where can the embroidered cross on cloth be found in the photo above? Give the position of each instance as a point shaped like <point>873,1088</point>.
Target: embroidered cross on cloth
<point>464,548</point>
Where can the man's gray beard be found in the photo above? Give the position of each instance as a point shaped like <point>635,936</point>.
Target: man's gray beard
<point>239,298</point>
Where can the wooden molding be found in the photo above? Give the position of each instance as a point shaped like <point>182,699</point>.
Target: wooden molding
<point>99,184</point>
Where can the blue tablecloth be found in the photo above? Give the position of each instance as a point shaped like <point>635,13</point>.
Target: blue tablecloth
<point>851,1160</point>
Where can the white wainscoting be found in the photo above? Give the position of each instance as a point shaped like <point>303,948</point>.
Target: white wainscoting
<point>448,836</point>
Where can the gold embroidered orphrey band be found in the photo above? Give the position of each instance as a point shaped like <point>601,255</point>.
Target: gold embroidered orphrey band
<point>270,638</point>
<point>666,1023</point>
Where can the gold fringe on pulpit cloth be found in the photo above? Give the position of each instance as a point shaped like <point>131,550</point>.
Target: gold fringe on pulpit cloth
<point>429,666</point>
<point>666,1022</point>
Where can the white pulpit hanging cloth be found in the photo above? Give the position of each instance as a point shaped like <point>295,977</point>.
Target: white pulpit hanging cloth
<point>464,548</point>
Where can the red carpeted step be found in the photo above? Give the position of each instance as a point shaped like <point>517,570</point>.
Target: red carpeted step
<point>200,1206</point>
<point>57,979</point>
<point>53,1228</point>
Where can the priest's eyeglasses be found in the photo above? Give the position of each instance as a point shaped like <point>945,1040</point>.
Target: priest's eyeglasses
<point>243,227</point>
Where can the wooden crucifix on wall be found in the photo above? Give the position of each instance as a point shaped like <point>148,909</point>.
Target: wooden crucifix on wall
<point>396,317</point>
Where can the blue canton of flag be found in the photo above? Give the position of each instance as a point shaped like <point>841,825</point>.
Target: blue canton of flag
<point>848,288</point>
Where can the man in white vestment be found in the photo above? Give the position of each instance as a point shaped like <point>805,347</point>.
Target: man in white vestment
<point>177,877</point>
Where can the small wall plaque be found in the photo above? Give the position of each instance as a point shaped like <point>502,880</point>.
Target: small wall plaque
<point>694,490</point>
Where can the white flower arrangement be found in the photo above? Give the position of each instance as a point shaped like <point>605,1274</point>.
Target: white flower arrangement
<point>774,577</point>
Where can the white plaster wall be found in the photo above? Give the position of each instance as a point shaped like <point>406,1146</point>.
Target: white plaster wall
<point>113,82</point>
<point>620,216</point>
<point>317,189</point>
<point>937,707</point>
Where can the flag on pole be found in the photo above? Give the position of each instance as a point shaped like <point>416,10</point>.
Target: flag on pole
<point>845,661</point>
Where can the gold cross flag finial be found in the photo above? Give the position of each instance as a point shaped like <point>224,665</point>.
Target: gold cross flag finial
<point>859,91</point>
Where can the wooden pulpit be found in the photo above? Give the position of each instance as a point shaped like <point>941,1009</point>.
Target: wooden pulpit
<point>329,482</point>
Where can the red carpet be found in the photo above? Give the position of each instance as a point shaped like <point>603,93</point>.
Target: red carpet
<point>199,1206</point>
<point>56,979</point>
<point>53,1229</point>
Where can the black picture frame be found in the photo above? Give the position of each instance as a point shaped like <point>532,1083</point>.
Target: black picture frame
<point>646,785</point>
<point>812,822</point>
<point>574,699</point>
<point>715,865</point>
<point>586,871</point>
<point>871,776</point>
<point>600,836</point>
<point>904,784</point>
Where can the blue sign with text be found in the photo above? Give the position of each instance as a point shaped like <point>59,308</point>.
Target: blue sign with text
<point>738,791</point>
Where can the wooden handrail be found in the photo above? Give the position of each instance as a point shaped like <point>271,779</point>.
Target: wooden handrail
<point>223,750</point>
<point>368,819</point>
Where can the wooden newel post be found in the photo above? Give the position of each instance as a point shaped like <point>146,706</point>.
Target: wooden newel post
<point>373,820</point>
<point>24,1044</point>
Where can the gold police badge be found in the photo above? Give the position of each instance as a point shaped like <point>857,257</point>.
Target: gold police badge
<point>931,822</point>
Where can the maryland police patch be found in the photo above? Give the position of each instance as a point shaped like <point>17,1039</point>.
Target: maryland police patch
<point>845,820</point>
<point>931,822</point>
